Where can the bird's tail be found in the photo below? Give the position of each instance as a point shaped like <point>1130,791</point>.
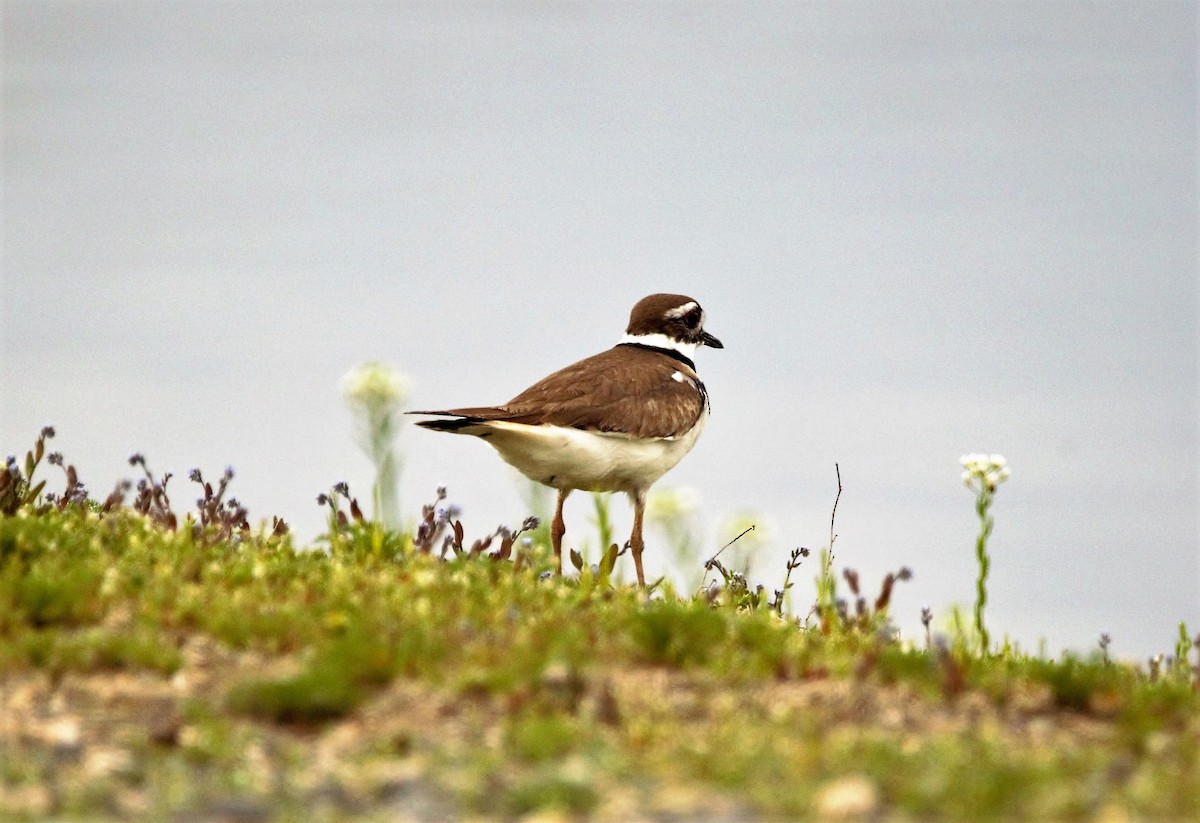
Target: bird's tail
<point>458,424</point>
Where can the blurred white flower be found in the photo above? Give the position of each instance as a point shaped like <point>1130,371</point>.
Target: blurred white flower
<point>374,386</point>
<point>669,505</point>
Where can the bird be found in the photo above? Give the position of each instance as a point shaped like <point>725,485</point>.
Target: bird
<point>613,422</point>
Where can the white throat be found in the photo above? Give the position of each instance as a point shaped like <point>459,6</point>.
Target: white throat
<point>661,341</point>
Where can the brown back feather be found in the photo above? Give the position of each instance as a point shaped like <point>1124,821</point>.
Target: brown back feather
<point>624,384</point>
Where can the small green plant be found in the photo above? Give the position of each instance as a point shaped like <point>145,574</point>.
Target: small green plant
<point>603,521</point>
<point>600,573</point>
<point>17,488</point>
<point>926,620</point>
<point>1184,644</point>
<point>435,519</point>
<point>338,519</point>
<point>375,393</point>
<point>868,615</point>
<point>983,474</point>
<point>152,500</point>
<point>794,560</point>
<point>736,590</point>
<point>221,518</point>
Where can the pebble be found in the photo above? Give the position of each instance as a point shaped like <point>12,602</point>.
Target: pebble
<point>852,797</point>
<point>64,735</point>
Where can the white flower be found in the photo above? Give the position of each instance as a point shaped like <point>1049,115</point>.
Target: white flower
<point>984,471</point>
<point>374,385</point>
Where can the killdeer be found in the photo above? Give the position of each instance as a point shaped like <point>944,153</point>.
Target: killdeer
<point>614,422</point>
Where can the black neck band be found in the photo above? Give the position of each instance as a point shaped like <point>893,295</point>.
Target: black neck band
<point>671,353</point>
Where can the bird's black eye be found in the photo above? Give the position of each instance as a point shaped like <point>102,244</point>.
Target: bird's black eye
<point>692,318</point>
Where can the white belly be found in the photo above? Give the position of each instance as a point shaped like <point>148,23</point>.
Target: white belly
<point>566,458</point>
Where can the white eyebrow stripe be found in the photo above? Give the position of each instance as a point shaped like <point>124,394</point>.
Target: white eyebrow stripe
<point>680,311</point>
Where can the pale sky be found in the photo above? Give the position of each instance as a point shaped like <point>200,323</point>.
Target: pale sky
<point>920,229</point>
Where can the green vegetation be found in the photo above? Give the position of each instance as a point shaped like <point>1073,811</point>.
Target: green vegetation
<point>156,666</point>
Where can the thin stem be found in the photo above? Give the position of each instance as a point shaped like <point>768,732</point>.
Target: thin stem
<point>826,584</point>
<point>833,514</point>
<point>982,503</point>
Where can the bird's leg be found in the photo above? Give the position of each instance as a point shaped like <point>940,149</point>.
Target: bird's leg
<point>635,540</point>
<point>558,528</point>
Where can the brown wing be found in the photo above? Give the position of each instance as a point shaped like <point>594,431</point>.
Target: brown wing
<point>624,389</point>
